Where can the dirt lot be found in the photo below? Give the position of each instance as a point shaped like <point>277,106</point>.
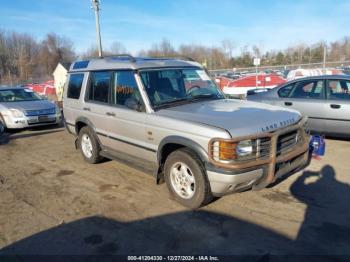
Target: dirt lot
<point>52,202</point>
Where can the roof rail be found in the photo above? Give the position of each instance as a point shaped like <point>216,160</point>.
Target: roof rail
<point>130,57</point>
<point>187,58</point>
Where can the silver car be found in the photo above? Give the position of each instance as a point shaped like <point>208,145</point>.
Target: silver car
<point>21,108</point>
<point>167,116</point>
<point>325,100</point>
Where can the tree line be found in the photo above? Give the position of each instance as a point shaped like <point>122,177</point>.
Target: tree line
<point>23,59</point>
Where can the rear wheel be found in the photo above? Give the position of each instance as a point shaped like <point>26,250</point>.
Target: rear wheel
<point>186,179</point>
<point>89,146</point>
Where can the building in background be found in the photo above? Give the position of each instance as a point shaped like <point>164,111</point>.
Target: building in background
<point>60,77</point>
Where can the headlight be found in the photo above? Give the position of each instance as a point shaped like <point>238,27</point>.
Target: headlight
<point>16,113</point>
<point>244,148</point>
<point>225,150</point>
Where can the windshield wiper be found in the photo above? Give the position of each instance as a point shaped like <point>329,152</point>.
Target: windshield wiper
<point>171,102</point>
<point>205,96</point>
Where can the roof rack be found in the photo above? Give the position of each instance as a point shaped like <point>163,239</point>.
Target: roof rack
<point>130,57</point>
<point>187,58</point>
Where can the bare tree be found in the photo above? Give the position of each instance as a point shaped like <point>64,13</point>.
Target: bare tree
<point>117,48</point>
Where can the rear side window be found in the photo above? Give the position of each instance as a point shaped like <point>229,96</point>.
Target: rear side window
<point>285,91</point>
<point>74,86</point>
<point>338,89</point>
<point>99,87</point>
<point>309,89</point>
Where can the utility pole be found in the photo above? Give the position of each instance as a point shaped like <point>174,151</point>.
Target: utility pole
<point>324,55</point>
<point>96,7</point>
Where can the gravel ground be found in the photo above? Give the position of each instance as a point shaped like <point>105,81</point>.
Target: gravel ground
<point>52,202</point>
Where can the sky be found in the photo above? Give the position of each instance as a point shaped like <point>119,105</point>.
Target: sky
<point>137,24</point>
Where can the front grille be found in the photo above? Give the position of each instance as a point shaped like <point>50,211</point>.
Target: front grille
<point>42,120</point>
<point>263,147</point>
<point>287,141</point>
<point>48,111</point>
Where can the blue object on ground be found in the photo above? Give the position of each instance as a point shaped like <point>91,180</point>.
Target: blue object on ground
<point>318,145</point>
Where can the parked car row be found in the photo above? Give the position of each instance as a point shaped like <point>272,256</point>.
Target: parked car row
<point>325,100</point>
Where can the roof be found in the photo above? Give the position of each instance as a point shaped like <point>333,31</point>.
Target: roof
<point>129,62</point>
<point>66,65</point>
<point>321,77</point>
<point>11,88</point>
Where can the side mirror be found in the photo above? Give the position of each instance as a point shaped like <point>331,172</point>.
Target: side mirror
<point>133,104</point>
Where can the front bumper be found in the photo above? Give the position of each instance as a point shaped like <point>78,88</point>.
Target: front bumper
<point>32,121</point>
<point>223,183</point>
<point>259,174</point>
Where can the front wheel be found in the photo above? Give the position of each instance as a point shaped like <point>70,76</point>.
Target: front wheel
<point>186,179</point>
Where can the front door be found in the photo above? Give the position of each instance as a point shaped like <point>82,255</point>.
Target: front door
<point>308,97</point>
<point>338,106</point>
<point>127,116</point>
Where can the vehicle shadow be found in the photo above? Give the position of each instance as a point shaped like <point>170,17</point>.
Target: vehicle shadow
<point>12,134</point>
<point>192,232</point>
<point>324,231</point>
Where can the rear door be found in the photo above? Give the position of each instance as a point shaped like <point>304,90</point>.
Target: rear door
<point>96,104</point>
<point>338,106</point>
<point>308,97</point>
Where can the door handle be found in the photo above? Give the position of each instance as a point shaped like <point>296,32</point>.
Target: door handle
<point>288,103</point>
<point>86,108</point>
<point>335,106</point>
<point>110,114</point>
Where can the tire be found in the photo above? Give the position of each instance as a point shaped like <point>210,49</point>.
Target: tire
<point>90,153</point>
<point>194,179</point>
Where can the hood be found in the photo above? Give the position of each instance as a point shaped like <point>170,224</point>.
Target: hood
<point>30,105</point>
<point>239,118</point>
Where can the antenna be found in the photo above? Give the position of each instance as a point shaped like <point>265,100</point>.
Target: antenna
<point>96,7</point>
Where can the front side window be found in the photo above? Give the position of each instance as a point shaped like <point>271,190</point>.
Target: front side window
<point>338,89</point>
<point>285,91</point>
<point>125,91</point>
<point>74,85</point>
<point>99,87</point>
<point>308,89</point>
<point>166,87</point>
<point>18,95</point>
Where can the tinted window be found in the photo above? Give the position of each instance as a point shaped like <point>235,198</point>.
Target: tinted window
<point>74,85</point>
<point>99,87</point>
<point>308,89</point>
<point>125,91</point>
<point>285,91</point>
<point>338,89</point>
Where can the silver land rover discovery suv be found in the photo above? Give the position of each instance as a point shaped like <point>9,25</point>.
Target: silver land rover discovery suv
<point>168,116</point>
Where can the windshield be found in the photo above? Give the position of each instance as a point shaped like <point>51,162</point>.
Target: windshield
<point>168,87</point>
<point>18,95</point>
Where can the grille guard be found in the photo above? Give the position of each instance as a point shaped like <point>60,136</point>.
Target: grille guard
<point>272,159</point>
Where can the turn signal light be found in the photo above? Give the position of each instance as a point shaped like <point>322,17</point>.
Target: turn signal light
<point>227,150</point>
